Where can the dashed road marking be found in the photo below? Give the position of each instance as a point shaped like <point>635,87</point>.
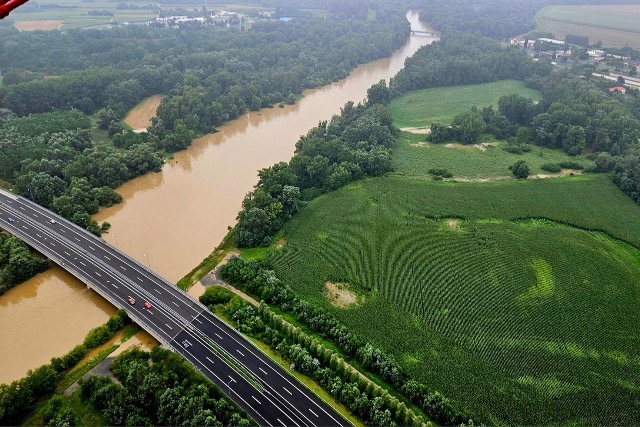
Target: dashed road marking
<point>174,303</point>
<point>139,278</point>
<point>207,357</point>
<point>77,239</point>
<point>83,263</point>
<point>218,335</point>
<point>67,253</point>
<point>38,235</point>
<point>123,268</point>
<point>265,372</point>
<point>92,248</point>
<point>98,274</point>
<point>287,391</point>
<point>197,321</point>
<point>107,258</point>
<point>168,326</point>
<point>254,398</point>
<point>313,412</point>
<point>240,352</point>
<point>157,290</point>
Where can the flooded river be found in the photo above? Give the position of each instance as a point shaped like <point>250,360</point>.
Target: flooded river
<point>171,220</point>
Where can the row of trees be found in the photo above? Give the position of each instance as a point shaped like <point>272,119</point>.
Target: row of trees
<point>351,145</point>
<point>255,278</point>
<point>18,398</point>
<point>17,262</point>
<point>159,388</point>
<point>461,59</point>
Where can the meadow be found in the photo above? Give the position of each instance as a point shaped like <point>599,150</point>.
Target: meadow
<point>70,14</point>
<point>414,158</point>
<point>615,25</point>
<point>423,107</point>
<point>493,293</point>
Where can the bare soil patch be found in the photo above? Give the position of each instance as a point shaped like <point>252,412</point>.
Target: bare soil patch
<point>423,131</point>
<point>280,243</point>
<point>482,146</point>
<point>421,144</point>
<point>339,295</point>
<point>454,224</point>
<point>38,25</point>
<point>139,118</point>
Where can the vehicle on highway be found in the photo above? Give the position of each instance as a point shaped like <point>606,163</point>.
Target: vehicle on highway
<point>10,219</point>
<point>147,304</point>
<point>52,221</point>
<point>186,344</point>
<point>131,301</point>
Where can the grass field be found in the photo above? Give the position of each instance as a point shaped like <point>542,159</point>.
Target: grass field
<point>423,107</point>
<point>615,25</point>
<point>74,13</point>
<point>523,321</point>
<point>414,157</point>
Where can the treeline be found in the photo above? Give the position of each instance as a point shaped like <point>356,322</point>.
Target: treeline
<point>462,59</point>
<point>159,388</point>
<point>18,398</point>
<point>65,171</point>
<point>256,278</point>
<point>351,145</point>
<point>17,262</point>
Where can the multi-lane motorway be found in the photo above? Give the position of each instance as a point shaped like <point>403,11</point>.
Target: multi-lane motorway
<point>269,394</point>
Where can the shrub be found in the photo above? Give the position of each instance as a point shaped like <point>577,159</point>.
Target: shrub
<point>216,295</point>
<point>520,169</point>
<point>570,165</point>
<point>551,168</point>
<point>443,173</point>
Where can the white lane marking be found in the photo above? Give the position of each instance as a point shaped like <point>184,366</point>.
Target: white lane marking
<point>98,274</point>
<point>156,289</point>
<point>240,352</point>
<point>114,285</point>
<point>24,227</point>
<point>92,248</point>
<point>139,278</point>
<point>83,263</point>
<point>21,207</point>
<point>149,311</point>
<point>265,372</point>
<point>107,258</point>
<point>174,303</point>
<point>168,326</point>
<point>254,398</point>
<point>231,378</point>
<point>198,321</point>
<point>36,215</point>
<point>67,253</point>
<point>207,357</point>
<point>280,421</point>
<point>123,268</point>
<point>77,239</point>
<point>38,235</point>
<point>218,335</point>
<point>313,412</point>
<point>288,391</point>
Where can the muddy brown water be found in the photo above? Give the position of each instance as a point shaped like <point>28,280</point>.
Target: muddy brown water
<point>171,220</point>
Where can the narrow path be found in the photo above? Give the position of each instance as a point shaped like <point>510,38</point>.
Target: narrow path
<point>213,278</point>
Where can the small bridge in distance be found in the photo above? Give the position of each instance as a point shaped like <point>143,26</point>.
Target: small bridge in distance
<point>423,33</point>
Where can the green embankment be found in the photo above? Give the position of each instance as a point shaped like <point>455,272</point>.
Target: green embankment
<point>523,321</point>
<point>423,107</point>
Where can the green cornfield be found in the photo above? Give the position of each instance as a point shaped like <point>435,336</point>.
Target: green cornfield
<point>503,296</point>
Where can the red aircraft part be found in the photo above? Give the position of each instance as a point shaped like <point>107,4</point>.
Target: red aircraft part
<point>6,6</point>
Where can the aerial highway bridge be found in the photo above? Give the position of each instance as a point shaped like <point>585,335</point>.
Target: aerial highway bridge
<point>268,393</point>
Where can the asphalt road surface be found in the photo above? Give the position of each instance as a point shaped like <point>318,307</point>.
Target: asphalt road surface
<point>269,394</point>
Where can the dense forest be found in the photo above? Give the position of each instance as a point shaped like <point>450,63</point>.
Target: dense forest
<point>17,263</point>
<point>209,75</point>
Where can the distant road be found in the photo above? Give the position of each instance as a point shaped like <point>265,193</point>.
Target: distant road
<point>269,394</point>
